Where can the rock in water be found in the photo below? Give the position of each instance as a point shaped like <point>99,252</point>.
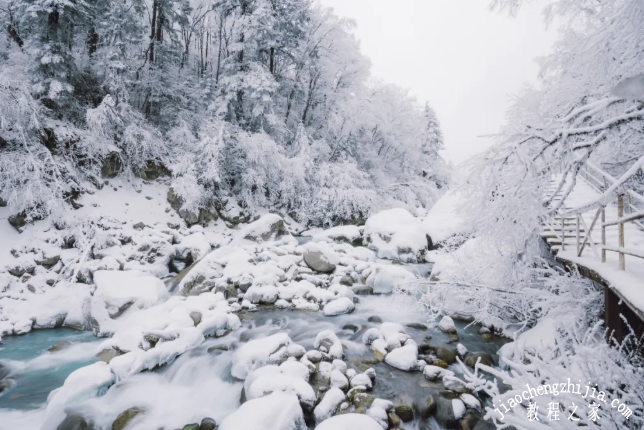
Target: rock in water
<point>277,411</point>
<point>125,417</point>
<point>74,422</point>
<point>59,346</point>
<point>485,359</point>
<point>447,325</point>
<point>405,412</point>
<point>208,424</point>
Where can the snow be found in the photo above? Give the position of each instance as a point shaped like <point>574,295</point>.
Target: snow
<point>335,351</point>
<point>405,357</point>
<point>117,291</point>
<point>459,408</point>
<point>433,373</point>
<point>443,219</point>
<point>280,409</point>
<point>257,353</point>
<point>470,401</point>
<point>269,227</point>
<point>342,233</point>
<point>81,384</point>
<point>447,324</point>
<point>290,377</point>
<point>385,277</point>
<point>349,422</point>
<point>329,404</point>
<point>397,235</point>
<point>196,244</point>
<point>342,305</point>
<point>362,379</point>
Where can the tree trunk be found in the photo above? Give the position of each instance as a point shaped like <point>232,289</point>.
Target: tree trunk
<point>14,35</point>
<point>155,6</point>
<point>271,66</point>
<point>92,41</point>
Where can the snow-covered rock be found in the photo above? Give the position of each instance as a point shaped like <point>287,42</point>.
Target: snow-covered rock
<point>269,227</point>
<point>385,277</point>
<point>405,357</point>
<point>349,422</point>
<point>447,325</point>
<point>444,220</point>
<point>290,377</point>
<point>329,404</point>
<point>320,257</point>
<point>397,235</point>
<point>117,291</point>
<point>434,373</point>
<point>328,340</point>
<point>342,305</point>
<point>279,411</point>
<point>350,234</point>
<point>259,352</point>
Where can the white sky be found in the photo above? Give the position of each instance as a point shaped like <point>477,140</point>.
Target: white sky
<point>466,61</point>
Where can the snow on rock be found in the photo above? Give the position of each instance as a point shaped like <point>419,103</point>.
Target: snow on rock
<point>330,342</point>
<point>84,383</point>
<point>329,404</point>
<point>385,277</point>
<point>279,411</point>
<point>397,235</point>
<point>290,377</point>
<point>117,291</point>
<point>470,401</point>
<point>447,325</point>
<point>405,357</point>
<point>196,246</point>
<point>349,422</point>
<point>443,220</point>
<point>259,352</point>
<point>362,379</point>
<point>320,257</point>
<point>459,408</point>
<point>269,227</point>
<point>378,411</point>
<point>342,305</point>
<point>434,373</point>
<point>350,234</point>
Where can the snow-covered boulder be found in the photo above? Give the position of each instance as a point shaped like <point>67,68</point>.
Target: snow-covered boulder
<point>259,352</point>
<point>350,234</point>
<point>397,235</point>
<point>290,377</point>
<point>349,422</point>
<point>269,227</point>
<point>320,257</point>
<point>277,411</point>
<point>405,357</point>
<point>117,291</point>
<point>444,220</point>
<point>385,277</point>
<point>330,342</point>
<point>329,404</point>
<point>447,325</point>
<point>342,305</point>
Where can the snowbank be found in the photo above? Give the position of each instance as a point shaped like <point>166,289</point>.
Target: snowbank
<point>443,220</point>
<point>397,235</point>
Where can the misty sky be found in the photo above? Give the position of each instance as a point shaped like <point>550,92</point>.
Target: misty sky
<point>466,61</point>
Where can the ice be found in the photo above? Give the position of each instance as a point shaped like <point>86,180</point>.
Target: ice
<point>280,411</point>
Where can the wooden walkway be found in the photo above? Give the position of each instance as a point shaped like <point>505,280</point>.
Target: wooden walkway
<point>605,243</point>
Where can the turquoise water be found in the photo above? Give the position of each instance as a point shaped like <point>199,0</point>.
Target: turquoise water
<point>36,371</point>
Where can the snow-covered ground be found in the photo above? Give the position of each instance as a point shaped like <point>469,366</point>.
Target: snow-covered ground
<point>111,267</point>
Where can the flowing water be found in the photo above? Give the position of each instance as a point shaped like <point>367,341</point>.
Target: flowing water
<point>198,384</point>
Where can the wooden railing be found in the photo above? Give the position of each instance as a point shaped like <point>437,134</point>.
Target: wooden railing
<point>573,222</point>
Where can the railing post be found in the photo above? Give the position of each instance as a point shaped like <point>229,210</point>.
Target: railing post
<point>563,232</point>
<point>603,234</point>
<point>620,227</point>
<point>578,238</point>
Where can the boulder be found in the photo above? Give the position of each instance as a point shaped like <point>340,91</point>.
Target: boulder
<point>445,354</point>
<point>74,422</point>
<point>59,346</point>
<point>405,412</point>
<point>317,262</point>
<point>484,358</point>
<point>427,407</point>
<point>125,417</point>
<point>208,424</point>
<point>268,227</point>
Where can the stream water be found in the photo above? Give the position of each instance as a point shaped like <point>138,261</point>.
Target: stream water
<point>198,384</point>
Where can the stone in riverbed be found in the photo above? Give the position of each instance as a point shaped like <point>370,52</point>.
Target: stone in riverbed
<point>354,328</point>
<point>125,417</point>
<point>417,326</point>
<point>196,317</point>
<point>208,424</point>
<point>218,348</point>
<point>447,355</point>
<point>317,261</point>
<point>405,412</point>
<point>107,355</point>
<point>192,426</point>
<point>374,319</point>
<point>447,325</point>
<point>427,407</point>
<point>440,363</point>
<point>74,422</point>
<point>59,346</point>
<point>394,420</point>
<point>484,357</point>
